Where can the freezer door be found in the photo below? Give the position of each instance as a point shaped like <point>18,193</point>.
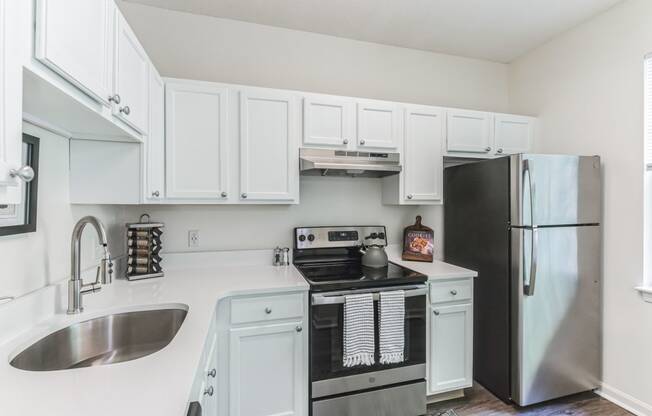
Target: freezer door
<point>556,312</point>
<point>555,190</point>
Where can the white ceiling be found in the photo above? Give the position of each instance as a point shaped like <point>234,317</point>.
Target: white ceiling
<point>497,30</point>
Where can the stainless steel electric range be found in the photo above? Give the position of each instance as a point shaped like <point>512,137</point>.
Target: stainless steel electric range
<point>329,259</point>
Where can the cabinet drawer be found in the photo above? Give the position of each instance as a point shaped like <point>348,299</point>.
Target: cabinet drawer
<point>268,308</point>
<point>451,291</point>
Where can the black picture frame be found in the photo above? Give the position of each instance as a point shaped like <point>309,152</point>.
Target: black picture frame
<point>32,159</point>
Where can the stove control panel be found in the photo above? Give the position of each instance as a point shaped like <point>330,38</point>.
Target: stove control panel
<point>335,237</point>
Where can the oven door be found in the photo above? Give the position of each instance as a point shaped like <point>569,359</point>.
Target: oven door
<point>328,374</point>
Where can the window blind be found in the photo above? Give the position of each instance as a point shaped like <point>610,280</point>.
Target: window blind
<point>648,111</point>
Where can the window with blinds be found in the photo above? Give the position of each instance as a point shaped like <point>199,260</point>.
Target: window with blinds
<point>648,111</point>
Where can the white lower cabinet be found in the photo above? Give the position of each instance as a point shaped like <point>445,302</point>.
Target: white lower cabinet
<point>204,388</point>
<point>450,355</point>
<point>266,370</point>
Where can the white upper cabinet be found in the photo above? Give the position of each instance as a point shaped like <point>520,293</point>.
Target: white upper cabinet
<point>328,122</point>
<point>196,116</point>
<point>468,131</point>
<point>423,160</point>
<point>11,83</point>
<point>378,125</point>
<point>74,39</point>
<point>131,72</point>
<point>269,145</point>
<point>513,134</point>
<point>154,157</point>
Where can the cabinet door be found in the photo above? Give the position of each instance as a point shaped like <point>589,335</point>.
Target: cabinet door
<point>451,343</point>
<point>155,142</point>
<point>266,374</point>
<point>269,146</point>
<point>131,72</point>
<point>196,120</point>
<point>468,131</point>
<point>328,122</point>
<point>513,134</point>
<point>423,167</point>
<point>73,38</point>
<point>378,125</point>
<point>11,84</point>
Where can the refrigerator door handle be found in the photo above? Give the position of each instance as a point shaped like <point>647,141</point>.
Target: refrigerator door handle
<point>527,170</point>
<point>528,288</point>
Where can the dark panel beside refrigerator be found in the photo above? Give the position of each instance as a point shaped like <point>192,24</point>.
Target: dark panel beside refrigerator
<point>476,236</point>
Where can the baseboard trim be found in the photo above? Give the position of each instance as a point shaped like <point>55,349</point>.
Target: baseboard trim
<point>449,395</point>
<point>625,401</point>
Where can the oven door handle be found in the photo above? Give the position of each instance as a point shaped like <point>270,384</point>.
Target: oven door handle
<point>318,299</point>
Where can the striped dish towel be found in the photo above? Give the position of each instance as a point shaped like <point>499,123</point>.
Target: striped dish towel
<point>391,314</point>
<point>359,343</point>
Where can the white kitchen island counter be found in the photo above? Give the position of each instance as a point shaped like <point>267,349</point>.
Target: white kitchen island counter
<point>157,385</point>
<point>437,270</point>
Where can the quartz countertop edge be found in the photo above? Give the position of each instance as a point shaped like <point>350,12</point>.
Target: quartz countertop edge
<point>158,384</point>
<point>437,270</point>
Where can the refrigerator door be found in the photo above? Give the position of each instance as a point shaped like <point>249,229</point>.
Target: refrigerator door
<point>555,190</point>
<point>556,312</point>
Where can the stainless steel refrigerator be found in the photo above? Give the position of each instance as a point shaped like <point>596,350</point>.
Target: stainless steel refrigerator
<point>530,225</point>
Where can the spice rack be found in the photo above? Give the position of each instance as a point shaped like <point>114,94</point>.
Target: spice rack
<point>143,249</point>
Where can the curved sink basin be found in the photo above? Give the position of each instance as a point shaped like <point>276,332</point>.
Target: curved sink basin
<point>104,340</point>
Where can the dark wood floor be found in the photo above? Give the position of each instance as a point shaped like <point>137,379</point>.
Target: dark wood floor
<point>479,401</point>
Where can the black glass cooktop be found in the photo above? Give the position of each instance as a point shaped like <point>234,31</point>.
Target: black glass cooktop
<point>345,275</point>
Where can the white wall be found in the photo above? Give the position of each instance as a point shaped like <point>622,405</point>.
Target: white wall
<point>197,47</point>
<point>586,86</point>
<point>31,261</point>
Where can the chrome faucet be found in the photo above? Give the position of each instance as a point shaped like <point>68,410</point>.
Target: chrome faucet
<point>76,287</point>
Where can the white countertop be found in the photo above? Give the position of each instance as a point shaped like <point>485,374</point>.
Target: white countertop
<point>158,384</point>
<point>437,270</point>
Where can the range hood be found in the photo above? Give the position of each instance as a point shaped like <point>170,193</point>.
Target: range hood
<point>347,163</point>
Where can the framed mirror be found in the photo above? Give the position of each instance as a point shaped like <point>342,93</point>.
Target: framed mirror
<point>21,218</point>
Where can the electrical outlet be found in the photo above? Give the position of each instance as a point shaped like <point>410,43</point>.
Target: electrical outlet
<point>193,238</point>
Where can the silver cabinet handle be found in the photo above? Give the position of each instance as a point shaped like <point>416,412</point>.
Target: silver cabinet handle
<point>488,149</point>
<point>362,142</point>
<point>299,328</point>
<point>499,151</point>
<point>454,292</point>
<point>156,194</point>
<point>209,391</point>
<point>223,194</point>
<point>25,173</point>
<point>268,310</point>
<point>345,141</point>
<point>212,373</point>
<point>244,195</point>
<point>115,99</point>
<point>410,196</point>
<point>436,313</point>
<point>125,110</point>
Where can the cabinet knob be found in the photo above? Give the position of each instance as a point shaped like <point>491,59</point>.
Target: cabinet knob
<point>345,141</point>
<point>25,173</point>
<point>115,99</point>
<point>156,194</point>
<point>500,150</point>
<point>454,292</point>
<point>299,328</point>
<point>436,313</point>
<point>362,142</point>
<point>268,310</point>
<point>212,373</point>
<point>223,194</point>
<point>488,149</point>
<point>125,110</point>
<point>410,196</point>
<point>244,195</point>
<point>209,391</point>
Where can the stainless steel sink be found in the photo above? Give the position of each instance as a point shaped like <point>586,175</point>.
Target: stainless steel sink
<point>104,340</point>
